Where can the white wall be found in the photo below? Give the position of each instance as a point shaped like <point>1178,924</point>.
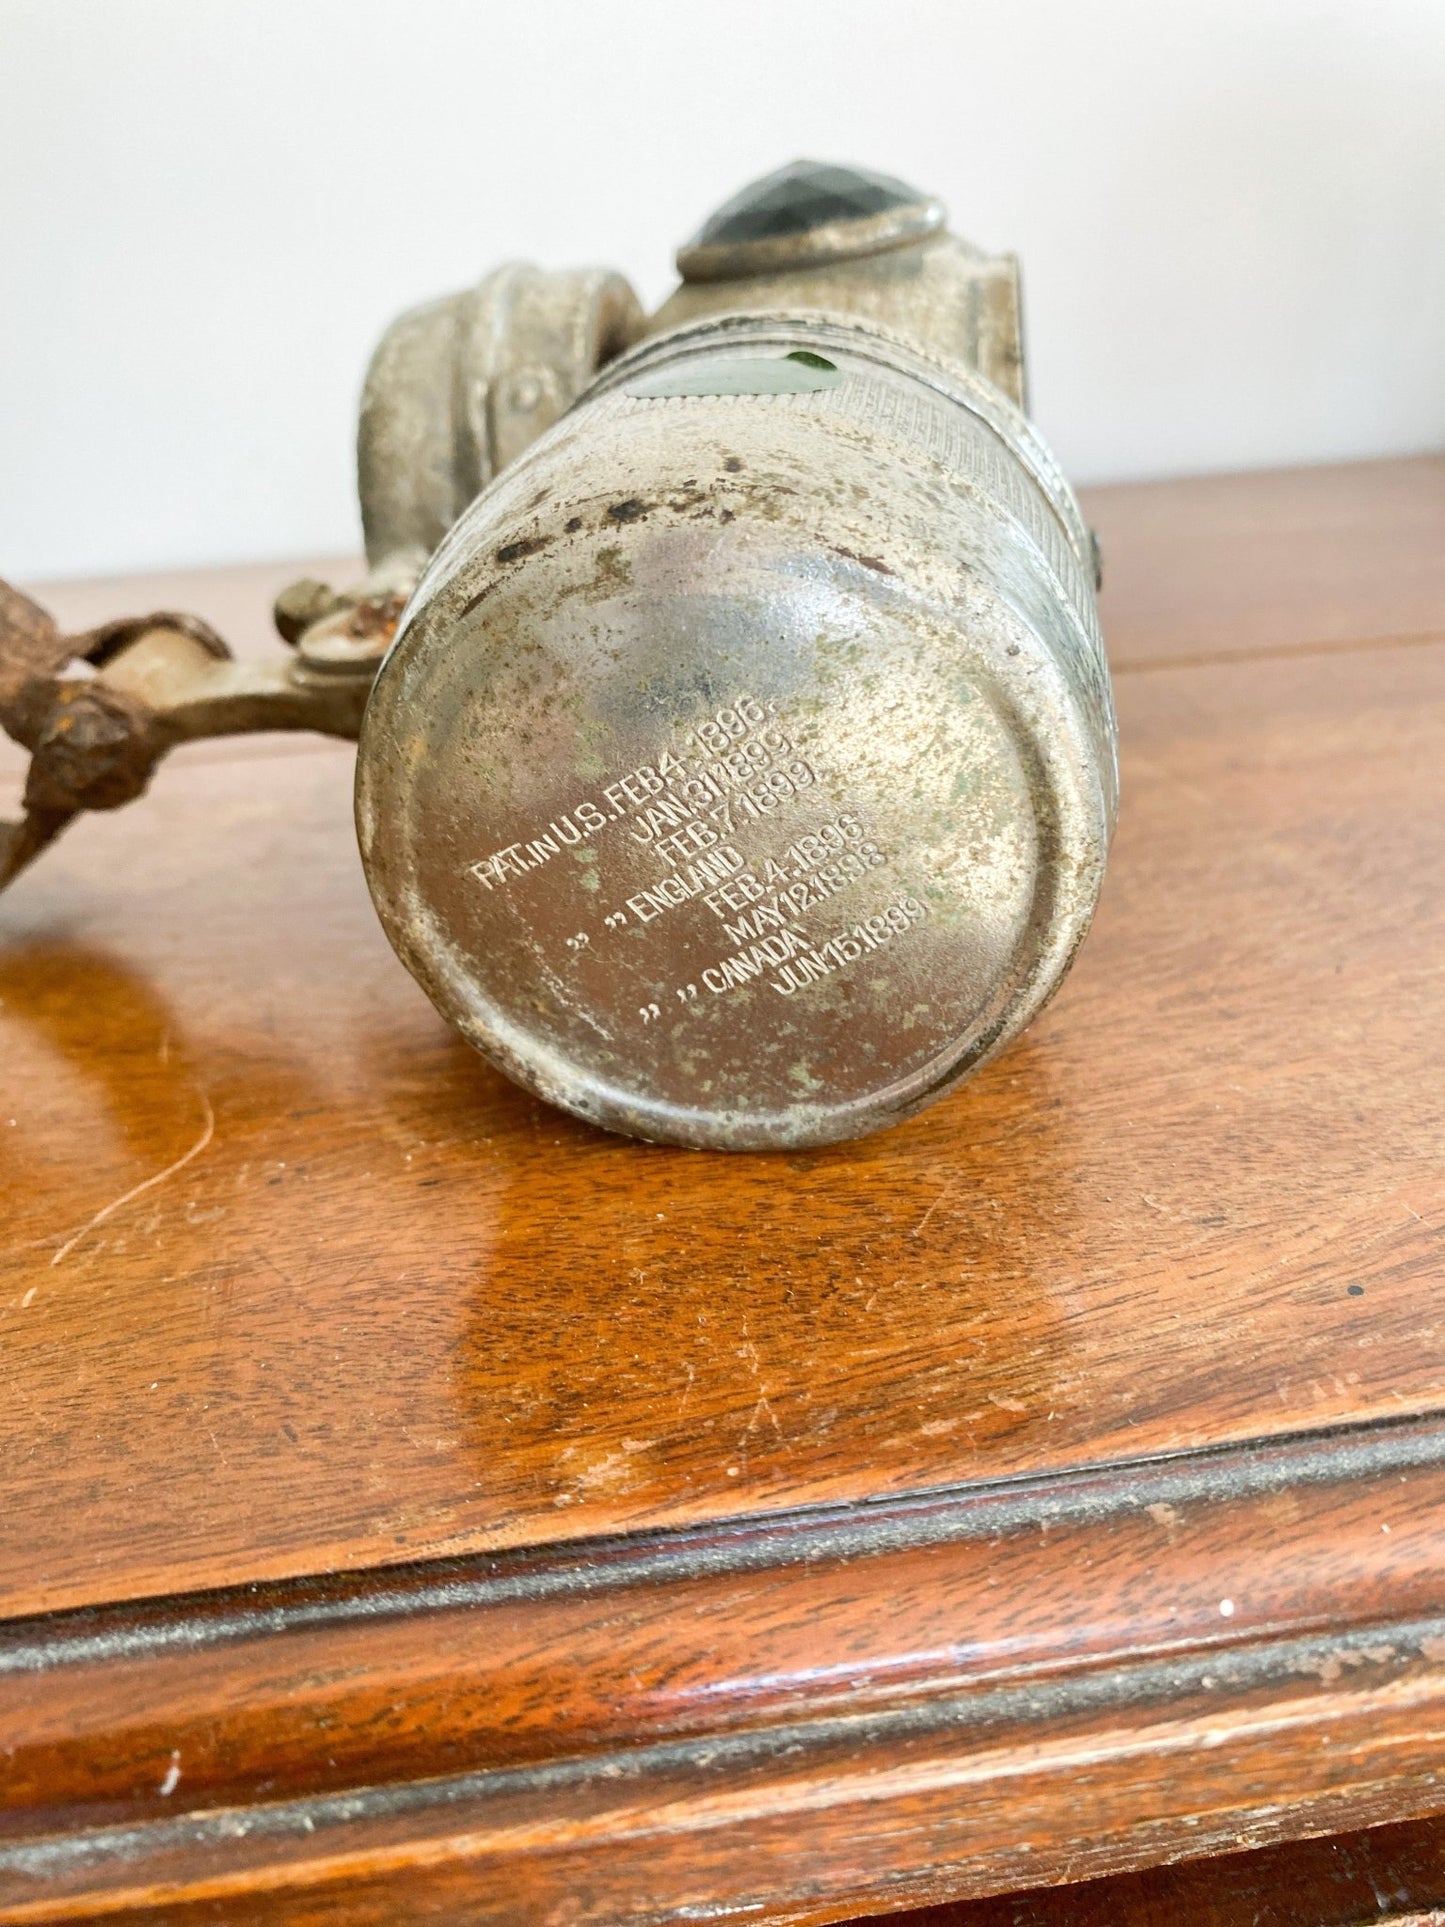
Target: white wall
<point>1231,215</point>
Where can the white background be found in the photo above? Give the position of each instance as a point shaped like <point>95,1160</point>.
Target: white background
<point>1231,218</point>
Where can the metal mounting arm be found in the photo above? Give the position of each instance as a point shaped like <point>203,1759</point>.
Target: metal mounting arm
<point>98,711</point>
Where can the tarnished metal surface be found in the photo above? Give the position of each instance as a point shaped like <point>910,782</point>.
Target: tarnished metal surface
<point>744,769</point>
<point>98,711</point>
<point>744,766</point>
<point>458,388</point>
<point>808,214</point>
<point>454,392</point>
<point>941,293</point>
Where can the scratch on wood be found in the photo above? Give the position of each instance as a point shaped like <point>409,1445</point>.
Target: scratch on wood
<point>934,1206</point>
<point>146,1184</point>
<point>761,1409</point>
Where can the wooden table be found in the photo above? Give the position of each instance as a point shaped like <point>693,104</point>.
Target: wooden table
<point>417,1505</point>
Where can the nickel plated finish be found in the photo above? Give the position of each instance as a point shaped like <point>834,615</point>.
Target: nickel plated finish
<point>743,770</point>
<point>741,765</point>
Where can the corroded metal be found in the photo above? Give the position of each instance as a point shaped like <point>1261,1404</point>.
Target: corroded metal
<point>742,771</point>
<point>98,711</point>
<point>807,215</point>
<point>455,390</point>
<point>459,387</point>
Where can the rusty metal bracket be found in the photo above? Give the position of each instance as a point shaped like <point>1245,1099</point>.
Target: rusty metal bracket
<point>98,711</point>
<point>456,390</point>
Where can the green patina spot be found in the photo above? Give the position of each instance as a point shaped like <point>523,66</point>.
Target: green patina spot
<point>797,373</point>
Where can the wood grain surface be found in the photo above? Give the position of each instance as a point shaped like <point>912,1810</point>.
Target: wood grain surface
<point>546,1527</point>
<point>1394,1874</point>
<point>1279,562</point>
